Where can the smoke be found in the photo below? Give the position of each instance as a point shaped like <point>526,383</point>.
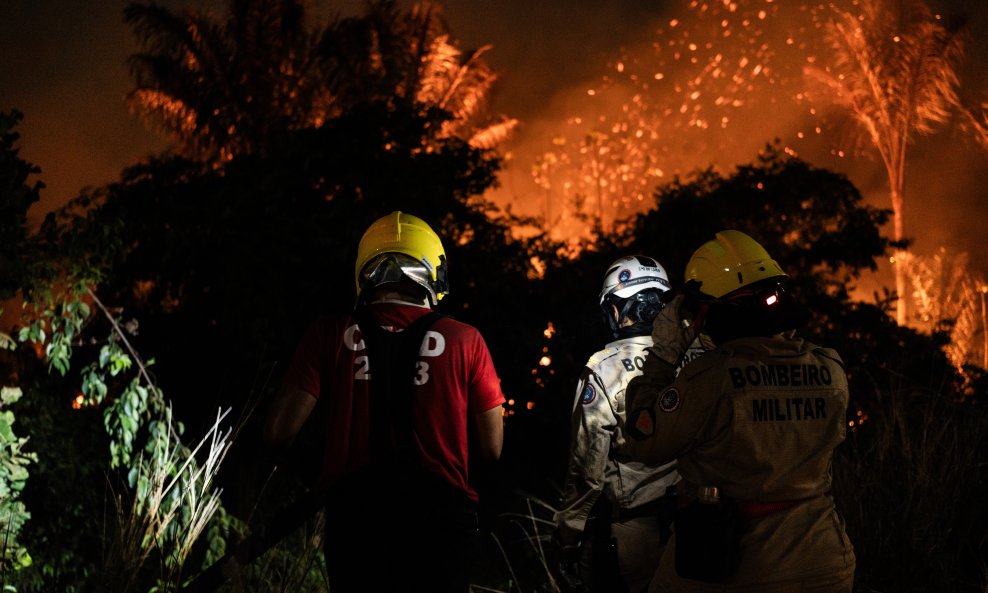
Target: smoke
<point>63,64</point>
<point>730,83</point>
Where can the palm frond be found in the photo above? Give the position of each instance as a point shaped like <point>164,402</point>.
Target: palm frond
<point>470,86</point>
<point>494,135</point>
<point>895,67</point>
<point>975,121</point>
<point>438,71</point>
<point>224,86</point>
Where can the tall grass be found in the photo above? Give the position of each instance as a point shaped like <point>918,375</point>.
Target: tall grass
<point>294,565</point>
<point>173,501</point>
<point>516,551</point>
<point>912,483</point>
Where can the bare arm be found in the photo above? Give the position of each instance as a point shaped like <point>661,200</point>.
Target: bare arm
<point>490,433</point>
<point>288,412</point>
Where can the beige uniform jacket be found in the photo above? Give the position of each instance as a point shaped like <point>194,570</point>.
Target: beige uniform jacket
<point>759,418</point>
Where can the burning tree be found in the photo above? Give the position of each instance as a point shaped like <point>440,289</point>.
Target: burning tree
<point>894,66</point>
<point>604,174</point>
<point>708,87</point>
<point>948,297</point>
<point>976,120</point>
<point>227,88</point>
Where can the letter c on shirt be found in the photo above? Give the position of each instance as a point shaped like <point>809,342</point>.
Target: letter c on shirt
<point>348,336</point>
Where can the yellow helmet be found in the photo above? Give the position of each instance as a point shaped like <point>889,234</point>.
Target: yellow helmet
<point>731,261</point>
<point>401,246</point>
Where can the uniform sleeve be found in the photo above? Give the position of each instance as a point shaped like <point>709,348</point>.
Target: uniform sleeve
<point>664,416</point>
<point>306,365</point>
<point>485,386</point>
<point>594,422</point>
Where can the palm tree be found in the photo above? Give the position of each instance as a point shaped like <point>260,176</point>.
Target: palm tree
<point>895,68</point>
<point>410,57</point>
<point>948,295</point>
<point>222,89</point>
<point>976,121</point>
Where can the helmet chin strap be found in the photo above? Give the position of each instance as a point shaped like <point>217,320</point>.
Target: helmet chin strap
<point>633,331</point>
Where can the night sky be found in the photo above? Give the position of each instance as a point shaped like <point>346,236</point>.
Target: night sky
<point>63,64</point>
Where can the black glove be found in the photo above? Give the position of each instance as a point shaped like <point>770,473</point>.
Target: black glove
<point>672,334</point>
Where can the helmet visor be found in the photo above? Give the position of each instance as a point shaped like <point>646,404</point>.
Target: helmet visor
<point>393,268</point>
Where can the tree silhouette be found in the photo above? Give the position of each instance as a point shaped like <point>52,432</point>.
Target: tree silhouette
<point>222,88</point>
<point>17,194</point>
<point>411,57</point>
<point>227,88</point>
<point>895,68</point>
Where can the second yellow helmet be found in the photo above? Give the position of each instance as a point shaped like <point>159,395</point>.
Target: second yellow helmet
<point>731,261</point>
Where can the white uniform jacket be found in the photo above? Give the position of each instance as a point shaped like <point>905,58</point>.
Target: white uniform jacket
<point>592,467</point>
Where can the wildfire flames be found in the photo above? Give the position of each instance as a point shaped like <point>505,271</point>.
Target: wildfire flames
<point>709,88</point>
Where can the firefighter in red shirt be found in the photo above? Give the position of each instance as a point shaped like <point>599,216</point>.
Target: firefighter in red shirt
<point>752,425</point>
<point>408,394</point>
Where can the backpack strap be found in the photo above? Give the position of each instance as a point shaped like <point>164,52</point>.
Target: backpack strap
<point>393,366</point>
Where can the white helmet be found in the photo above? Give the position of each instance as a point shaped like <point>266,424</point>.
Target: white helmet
<point>634,284</point>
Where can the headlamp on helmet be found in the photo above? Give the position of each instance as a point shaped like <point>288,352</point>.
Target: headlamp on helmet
<point>744,290</point>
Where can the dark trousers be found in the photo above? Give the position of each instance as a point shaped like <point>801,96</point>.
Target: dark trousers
<point>418,536</point>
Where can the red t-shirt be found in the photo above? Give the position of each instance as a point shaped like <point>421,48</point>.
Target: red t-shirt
<point>456,380</point>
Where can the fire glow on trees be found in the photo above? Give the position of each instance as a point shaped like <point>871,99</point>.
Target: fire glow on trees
<point>709,88</point>
<point>946,296</point>
<point>226,85</point>
<point>894,67</point>
<point>714,85</point>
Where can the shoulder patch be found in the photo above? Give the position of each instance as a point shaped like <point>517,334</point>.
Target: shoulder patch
<point>641,423</point>
<point>589,394</point>
<point>669,401</point>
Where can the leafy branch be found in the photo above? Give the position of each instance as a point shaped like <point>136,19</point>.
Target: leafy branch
<point>171,499</point>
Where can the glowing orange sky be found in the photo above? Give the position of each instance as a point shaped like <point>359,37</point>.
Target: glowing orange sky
<point>63,64</point>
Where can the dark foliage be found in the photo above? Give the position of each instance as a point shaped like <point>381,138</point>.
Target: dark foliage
<point>811,220</point>
<point>17,194</point>
<point>223,268</point>
<point>69,495</point>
